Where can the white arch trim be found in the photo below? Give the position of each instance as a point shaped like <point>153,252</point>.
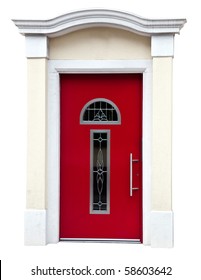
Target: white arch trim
<point>99,17</point>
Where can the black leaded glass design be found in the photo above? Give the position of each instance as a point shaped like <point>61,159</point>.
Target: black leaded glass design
<point>100,170</point>
<point>100,111</point>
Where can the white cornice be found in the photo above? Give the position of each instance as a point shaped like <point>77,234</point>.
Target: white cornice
<point>99,17</point>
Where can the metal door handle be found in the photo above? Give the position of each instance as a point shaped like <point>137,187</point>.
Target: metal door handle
<point>131,174</point>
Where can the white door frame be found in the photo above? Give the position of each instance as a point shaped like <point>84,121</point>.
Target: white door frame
<point>55,67</point>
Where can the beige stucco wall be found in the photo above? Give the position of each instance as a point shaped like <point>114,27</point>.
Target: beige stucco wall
<point>36,178</point>
<point>93,43</point>
<point>162,134</point>
<point>100,43</point>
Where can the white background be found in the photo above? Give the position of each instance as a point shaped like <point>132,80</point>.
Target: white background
<point>17,260</point>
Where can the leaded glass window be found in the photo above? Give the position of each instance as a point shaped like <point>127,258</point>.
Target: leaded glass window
<point>99,111</point>
<point>100,171</point>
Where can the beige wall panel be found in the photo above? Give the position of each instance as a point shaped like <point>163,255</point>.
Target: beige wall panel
<point>100,43</point>
<point>36,180</point>
<point>162,134</point>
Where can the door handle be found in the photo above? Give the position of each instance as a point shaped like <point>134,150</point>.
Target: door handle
<point>131,174</point>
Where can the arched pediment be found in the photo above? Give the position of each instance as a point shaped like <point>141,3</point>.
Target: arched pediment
<point>99,18</point>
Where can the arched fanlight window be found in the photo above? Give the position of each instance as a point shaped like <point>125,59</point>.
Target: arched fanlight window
<point>100,111</point>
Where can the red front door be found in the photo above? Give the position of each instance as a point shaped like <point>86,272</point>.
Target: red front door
<point>100,184</point>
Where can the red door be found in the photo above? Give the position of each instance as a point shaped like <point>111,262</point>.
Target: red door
<point>101,128</point>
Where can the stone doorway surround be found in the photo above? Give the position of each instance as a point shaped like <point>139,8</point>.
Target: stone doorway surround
<point>98,41</point>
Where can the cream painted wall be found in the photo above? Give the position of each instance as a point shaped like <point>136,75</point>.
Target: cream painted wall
<point>100,43</point>
<point>36,178</point>
<point>93,43</point>
<point>162,134</point>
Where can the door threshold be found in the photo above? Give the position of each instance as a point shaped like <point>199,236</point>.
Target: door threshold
<point>102,240</point>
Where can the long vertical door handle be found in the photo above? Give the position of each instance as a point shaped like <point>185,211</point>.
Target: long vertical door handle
<point>131,174</point>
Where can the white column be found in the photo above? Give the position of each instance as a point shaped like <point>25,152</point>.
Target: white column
<point>161,214</point>
<point>35,213</point>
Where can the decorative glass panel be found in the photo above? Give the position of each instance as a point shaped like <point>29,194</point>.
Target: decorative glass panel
<point>100,111</point>
<point>99,202</point>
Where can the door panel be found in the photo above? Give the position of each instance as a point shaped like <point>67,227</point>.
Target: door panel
<point>124,218</point>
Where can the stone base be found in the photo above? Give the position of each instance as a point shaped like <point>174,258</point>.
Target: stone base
<point>35,227</point>
<point>162,229</point>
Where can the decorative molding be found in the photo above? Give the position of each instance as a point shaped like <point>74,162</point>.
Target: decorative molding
<point>99,17</point>
<point>36,46</point>
<point>162,45</point>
